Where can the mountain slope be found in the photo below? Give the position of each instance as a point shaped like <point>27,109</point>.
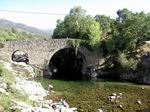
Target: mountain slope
<point>19,26</point>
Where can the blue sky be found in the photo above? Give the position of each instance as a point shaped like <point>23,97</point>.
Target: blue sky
<point>93,7</point>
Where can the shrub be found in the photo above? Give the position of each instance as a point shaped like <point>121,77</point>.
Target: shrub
<point>127,63</point>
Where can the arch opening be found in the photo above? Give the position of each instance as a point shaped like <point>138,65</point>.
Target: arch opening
<point>20,56</point>
<point>67,64</point>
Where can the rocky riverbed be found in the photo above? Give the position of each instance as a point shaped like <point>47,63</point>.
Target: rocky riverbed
<point>23,75</point>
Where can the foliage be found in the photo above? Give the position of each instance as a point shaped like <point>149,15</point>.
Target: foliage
<point>106,24</point>
<point>127,64</point>
<point>122,35</point>
<point>128,31</point>
<point>77,11</point>
<point>76,44</point>
<point>77,25</point>
<point>131,29</point>
<point>7,34</point>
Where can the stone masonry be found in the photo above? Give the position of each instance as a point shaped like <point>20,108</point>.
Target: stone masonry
<point>41,51</point>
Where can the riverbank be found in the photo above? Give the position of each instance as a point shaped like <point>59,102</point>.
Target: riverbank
<point>20,93</point>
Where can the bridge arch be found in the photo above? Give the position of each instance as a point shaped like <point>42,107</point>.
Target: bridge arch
<point>20,56</point>
<point>67,63</point>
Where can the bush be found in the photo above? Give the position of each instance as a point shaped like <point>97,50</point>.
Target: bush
<point>127,64</point>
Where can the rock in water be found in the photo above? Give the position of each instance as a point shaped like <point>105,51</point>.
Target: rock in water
<point>99,110</point>
<point>90,73</point>
<point>139,102</point>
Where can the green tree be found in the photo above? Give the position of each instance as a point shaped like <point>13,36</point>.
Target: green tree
<point>78,25</point>
<point>77,11</point>
<point>129,31</point>
<point>106,24</point>
<point>123,15</point>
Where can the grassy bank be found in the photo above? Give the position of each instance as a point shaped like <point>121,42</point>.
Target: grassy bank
<point>90,96</point>
<point>12,94</point>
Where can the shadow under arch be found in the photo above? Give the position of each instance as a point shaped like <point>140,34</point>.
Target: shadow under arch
<point>20,56</point>
<point>67,64</point>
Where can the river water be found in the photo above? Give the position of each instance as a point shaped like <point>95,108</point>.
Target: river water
<point>88,96</point>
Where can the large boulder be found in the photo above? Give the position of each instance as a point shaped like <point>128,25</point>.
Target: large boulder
<point>32,89</point>
<point>143,69</point>
<point>142,72</point>
<point>23,70</point>
<point>90,73</point>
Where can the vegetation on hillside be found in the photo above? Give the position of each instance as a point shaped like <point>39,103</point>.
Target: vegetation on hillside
<point>12,93</point>
<point>7,34</point>
<point>9,24</point>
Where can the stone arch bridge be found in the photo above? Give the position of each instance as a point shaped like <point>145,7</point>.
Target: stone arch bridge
<point>40,52</point>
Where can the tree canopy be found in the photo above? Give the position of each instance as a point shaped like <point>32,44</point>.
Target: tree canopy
<point>78,25</point>
<point>106,24</point>
<point>122,34</point>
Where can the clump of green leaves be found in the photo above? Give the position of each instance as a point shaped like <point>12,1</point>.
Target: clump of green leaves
<point>127,63</point>
<point>76,44</point>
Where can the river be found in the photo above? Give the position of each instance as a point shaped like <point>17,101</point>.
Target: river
<point>88,96</point>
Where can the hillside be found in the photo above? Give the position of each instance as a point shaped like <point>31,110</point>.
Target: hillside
<point>9,34</point>
<point>9,24</point>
